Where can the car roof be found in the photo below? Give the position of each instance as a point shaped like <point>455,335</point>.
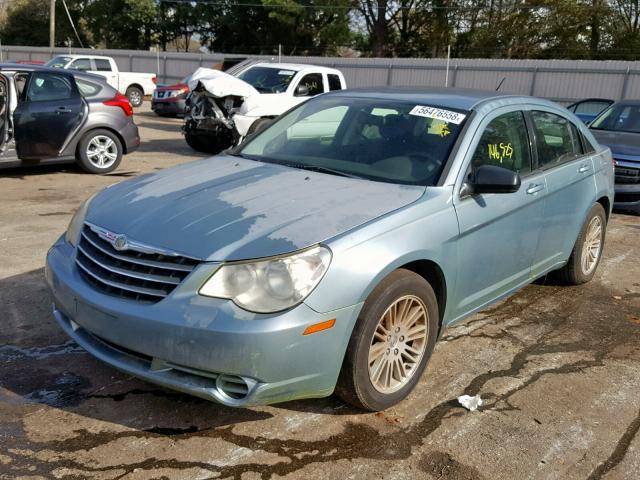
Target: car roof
<point>293,66</point>
<point>458,98</point>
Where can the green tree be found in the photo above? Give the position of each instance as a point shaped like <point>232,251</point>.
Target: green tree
<point>27,23</point>
<point>129,24</point>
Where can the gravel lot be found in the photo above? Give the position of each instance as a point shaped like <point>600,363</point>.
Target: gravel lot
<point>558,368</point>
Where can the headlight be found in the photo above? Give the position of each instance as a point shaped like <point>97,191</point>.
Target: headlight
<point>76,223</point>
<point>270,285</point>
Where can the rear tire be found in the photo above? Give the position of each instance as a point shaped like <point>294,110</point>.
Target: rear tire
<point>135,96</point>
<point>587,251</point>
<point>391,343</point>
<point>99,151</point>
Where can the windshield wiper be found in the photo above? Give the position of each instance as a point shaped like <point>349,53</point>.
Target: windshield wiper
<point>321,169</point>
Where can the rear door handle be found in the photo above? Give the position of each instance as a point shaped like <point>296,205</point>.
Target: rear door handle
<point>535,188</point>
<point>63,110</point>
<point>584,168</point>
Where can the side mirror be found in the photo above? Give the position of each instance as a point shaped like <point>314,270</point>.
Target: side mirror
<point>302,91</point>
<point>493,179</point>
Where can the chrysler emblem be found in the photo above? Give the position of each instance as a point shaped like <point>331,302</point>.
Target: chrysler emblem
<point>120,242</point>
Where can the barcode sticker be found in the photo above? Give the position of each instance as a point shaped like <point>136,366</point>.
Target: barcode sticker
<point>438,114</point>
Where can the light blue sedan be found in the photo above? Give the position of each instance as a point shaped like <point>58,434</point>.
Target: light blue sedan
<point>329,251</point>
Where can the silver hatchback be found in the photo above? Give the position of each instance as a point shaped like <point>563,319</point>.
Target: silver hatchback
<point>53,116</point>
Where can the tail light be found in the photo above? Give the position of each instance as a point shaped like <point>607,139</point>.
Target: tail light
<point>120,101</point>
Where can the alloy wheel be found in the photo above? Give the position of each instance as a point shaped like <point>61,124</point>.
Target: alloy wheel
<point>592,246</point>
<point>102,151</point>
<point>398,344</point>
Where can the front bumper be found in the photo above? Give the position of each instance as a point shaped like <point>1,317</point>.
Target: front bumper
<point>177,106</point>
<point>203,346</point>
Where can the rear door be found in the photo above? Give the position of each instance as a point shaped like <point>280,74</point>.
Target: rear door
<point>498,232</point>
<point>103,68</point>
<point>50,110</point>
<point>571,188</point>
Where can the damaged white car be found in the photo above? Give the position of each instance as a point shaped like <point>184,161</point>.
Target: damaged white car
<point>223,109</point>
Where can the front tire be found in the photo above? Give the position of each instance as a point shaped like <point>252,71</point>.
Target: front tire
<point>99,151</point>
<point>587,251</point>
<point>391,343</point>
<point>135,96</point>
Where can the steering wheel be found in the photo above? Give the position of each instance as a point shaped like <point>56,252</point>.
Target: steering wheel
<point>431,162</point>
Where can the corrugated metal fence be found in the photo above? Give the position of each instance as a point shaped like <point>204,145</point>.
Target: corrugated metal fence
<point>560,80</point>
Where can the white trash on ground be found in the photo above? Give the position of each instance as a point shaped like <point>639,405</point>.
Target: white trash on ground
<point>469,402</point>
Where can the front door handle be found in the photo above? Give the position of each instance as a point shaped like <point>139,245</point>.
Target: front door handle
<point>63,110</point>
<point>535,188</point>
<point>584,168</point>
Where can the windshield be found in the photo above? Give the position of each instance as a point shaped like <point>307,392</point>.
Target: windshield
<point>58,62</point>
<point>381,140</point>
<point>620,118</point>
<point>268,80</point>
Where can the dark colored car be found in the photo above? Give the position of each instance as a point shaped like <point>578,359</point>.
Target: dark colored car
<point>589,108</point>
<point>171,100</point>
<point>618,127</point>
<point>56,116</point>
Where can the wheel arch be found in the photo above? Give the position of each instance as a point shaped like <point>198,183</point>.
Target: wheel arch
<point>100,127</point>
<point>606,204</point>
<point>135,85</point>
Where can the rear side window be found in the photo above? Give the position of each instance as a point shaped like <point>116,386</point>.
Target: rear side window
<point>334,82</point>
<point>45,87</point>
<point>505,143</point>
<point>558,140</point>
<point>87,89</point>
<point>313,81</point>
<point>102,65</point>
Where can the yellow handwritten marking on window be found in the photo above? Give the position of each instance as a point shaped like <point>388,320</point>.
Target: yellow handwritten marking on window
<point>438,128</point>
<point>500,151</point>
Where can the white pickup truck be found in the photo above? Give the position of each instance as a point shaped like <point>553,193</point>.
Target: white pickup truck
<point>134,85</point>
<point>224,108</point>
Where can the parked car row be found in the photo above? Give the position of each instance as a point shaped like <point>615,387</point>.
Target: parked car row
<point>82,97</point>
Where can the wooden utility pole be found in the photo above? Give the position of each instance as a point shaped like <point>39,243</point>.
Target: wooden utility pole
<point>52,24</point>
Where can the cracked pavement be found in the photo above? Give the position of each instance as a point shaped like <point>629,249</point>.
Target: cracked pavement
<point>558,369</point>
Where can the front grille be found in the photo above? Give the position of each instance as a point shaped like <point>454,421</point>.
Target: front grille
<point>145,277</point>
<point>627,175</point>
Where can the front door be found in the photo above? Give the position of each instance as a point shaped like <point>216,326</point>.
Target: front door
<point>50,110</point>
<point>498,232</point>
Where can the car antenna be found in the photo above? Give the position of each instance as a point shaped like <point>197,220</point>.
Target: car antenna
<point>500,84</point>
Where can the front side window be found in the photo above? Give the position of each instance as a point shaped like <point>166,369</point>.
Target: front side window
<point>313,82</point>
<point>621,118</point>
<point>504,143</point>
<point>267,79</point>
<point>81,64</point>
<point>558,140</point>
<point>45,87</point>
<point>381,140</point>
<point>102,65</point>
<point>58,62</point>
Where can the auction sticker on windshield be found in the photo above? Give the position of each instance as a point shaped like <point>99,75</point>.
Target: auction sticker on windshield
<point>438,114</point>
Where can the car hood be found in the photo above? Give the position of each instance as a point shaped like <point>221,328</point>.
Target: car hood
<point>175,86</point>
<point>220,84</point>
<point>227,208</point>
<point>621,143</point>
